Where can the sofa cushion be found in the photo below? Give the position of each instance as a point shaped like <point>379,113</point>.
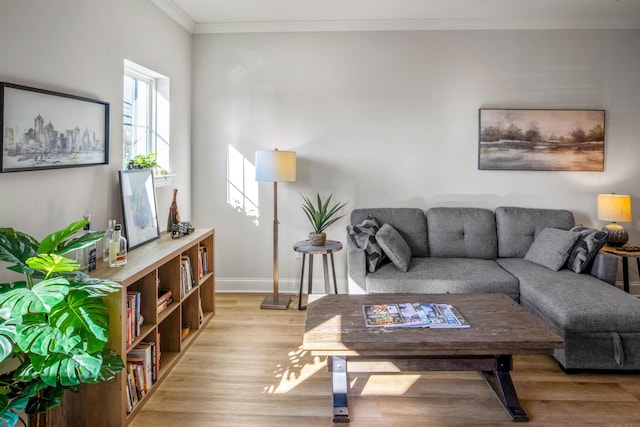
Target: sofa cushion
<point>573,303</point>
<point>394,246</point>
<point>552,247</point>
<point>462,232</point>
<point>364,234</point>
<point>442,275</point>
<point>517,227</point>
<point>409,222</point>
<point>586,248</point>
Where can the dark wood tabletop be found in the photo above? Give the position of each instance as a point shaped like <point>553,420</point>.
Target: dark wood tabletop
<point>335,326</point>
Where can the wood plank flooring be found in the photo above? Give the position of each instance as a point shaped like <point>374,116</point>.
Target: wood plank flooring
<point>247,369</point>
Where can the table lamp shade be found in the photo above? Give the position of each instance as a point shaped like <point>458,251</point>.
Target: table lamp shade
<point>275,166</point>
<point>614,207</point>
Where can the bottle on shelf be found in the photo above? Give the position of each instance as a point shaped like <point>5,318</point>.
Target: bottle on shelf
<point>107,238</point>
<point>87,256</point>
<point>117,248</point>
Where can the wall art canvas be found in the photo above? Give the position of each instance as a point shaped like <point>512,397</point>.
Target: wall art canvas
<point>542,140</point>
<point>139,206</point>
<point>42,129</point>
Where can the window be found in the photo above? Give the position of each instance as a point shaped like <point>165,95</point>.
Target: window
<point>145,114</point>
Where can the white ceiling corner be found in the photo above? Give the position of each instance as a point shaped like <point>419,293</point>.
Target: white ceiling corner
<point>173,11</point>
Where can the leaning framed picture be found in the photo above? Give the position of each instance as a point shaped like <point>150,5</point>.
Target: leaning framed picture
<point>139,206</point>
<point>542,140</point>
<point>43,129</point>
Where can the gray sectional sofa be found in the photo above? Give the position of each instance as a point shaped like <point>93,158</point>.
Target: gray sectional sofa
<point>511,251</point>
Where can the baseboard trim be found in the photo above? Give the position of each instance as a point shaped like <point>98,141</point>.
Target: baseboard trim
<point>248,285</point>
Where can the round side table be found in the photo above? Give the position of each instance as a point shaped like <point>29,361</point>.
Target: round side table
<point>306,248</point>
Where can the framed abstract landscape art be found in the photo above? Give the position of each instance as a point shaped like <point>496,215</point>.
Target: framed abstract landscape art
<point>541,140</point>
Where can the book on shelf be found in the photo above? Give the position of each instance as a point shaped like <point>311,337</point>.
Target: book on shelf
<point>202,251</point>
<point>134,317</point>
<point>413,315</point>
<point>144,355</point>
<point>165,298</point>
<point>186,275</point>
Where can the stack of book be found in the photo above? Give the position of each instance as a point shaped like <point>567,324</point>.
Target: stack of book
<point>413,315</point>
<point>186,275</point>
<point>134,318</point>
<point>165,298</point>
<point>142,372</point>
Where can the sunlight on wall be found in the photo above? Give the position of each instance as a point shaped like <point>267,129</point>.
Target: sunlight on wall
<point>242,187</point>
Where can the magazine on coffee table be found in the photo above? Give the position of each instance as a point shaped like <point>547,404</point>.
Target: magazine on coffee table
<point>413,315</point>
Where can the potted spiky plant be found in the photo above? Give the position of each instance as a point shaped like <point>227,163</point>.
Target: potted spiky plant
<point>54,323</point>
<point>321,217</point>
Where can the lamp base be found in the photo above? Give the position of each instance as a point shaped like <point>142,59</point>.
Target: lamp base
<point>616,234</point>
<point>279,302</point>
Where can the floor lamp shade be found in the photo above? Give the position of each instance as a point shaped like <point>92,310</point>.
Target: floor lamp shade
<point>615,208</point>
<point>275,166</point>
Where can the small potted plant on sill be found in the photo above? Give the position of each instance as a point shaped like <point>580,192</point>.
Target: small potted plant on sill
<point>321,217</point>
<point>54,323</point>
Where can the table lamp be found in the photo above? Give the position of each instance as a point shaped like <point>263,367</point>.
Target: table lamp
<point>275,166</point>
<point>615,208</point>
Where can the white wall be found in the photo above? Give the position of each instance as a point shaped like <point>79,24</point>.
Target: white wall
<point>78,47</point>
<point>391,119</point>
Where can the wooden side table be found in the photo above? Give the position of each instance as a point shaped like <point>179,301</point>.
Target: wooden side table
<point>624,255</point>
<point>306,248</point>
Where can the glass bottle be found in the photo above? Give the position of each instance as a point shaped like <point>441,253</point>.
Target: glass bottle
<point>86,256</point>
<point>107,238</point>
<point>117,248</point>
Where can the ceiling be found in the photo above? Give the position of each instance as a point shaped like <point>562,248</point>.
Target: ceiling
<point>233,16</point>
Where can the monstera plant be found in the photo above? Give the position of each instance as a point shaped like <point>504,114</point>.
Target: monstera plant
<point>54,323</point>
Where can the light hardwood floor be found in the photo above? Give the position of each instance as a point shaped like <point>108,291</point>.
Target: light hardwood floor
<point>247,369</point>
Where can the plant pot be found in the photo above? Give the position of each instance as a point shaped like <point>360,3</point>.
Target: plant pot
<point>317,239</point>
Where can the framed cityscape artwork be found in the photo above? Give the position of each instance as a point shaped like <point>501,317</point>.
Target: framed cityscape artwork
<point>42,129</point>
<point>541,140</point>
<point>139,207</point>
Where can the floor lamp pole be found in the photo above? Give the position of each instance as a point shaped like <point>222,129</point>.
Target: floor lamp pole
<point>275,301</point>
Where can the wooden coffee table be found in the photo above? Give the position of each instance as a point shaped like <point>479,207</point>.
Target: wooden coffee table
<point>499,329</point>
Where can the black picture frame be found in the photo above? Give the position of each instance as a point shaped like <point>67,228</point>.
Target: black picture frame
<point>43,129</point>
<point>541,139</point>
<point>139,210</point>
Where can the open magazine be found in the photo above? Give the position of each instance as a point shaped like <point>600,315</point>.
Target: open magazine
<point>413,315</point>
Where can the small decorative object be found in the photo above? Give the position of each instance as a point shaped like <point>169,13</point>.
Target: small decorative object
<point>55,322</point>
<point>321,217</point>
<point>180,229</point>
<point>551,140</point>
<point>615,208</point>
<point>117,248</point>
<point>139,206</point>
<point>174,215</point>
<point>43,129</point>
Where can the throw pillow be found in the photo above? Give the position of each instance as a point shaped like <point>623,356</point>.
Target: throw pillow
<point>551,248</point>
<point>394,246</point>
<point>365,237</point>
<point>586,249</point>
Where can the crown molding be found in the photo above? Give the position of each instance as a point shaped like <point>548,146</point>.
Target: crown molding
<point>175,13</point>
<point>416,25</point>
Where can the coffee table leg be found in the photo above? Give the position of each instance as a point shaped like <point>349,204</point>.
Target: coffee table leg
<point>338,368</point>
<point>501,384</point>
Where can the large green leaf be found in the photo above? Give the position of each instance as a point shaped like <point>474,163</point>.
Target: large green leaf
<point>52,264</point>
<point>16,248</point>
<point>111,365</point>
<point>93,286</point>
<point>40,299</point>
<point>85,316</point>
<point>7,337</point>
<point>37,336</point>
<point>12,405</point>
<point>59,243</point>
<point>48,398</point>
<point>68,369</point>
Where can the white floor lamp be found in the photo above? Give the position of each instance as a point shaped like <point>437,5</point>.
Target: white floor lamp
<point>275,166</point>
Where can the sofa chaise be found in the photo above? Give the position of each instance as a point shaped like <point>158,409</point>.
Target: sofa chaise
<point>522,252</point>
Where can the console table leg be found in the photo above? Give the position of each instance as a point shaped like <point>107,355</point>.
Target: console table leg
<point>500,382</point>
<point>338,368</point>
<point>300,307</point>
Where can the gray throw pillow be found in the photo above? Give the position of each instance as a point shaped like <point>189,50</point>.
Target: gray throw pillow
<point>365,237</point>
<point>552,247</point>
<point>394,246</point>
<point>585,250</point>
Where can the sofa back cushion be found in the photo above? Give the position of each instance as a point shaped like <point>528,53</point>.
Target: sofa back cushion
<point>518,227</point>
<point>409,222</point>
<point>462,233</point>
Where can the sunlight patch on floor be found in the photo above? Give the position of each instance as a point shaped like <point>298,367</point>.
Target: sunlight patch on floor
<point>300,367</point>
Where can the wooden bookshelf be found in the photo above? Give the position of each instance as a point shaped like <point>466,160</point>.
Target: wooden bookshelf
<point>153,265</point>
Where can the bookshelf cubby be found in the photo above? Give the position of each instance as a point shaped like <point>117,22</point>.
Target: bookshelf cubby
<point>154,265</point>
